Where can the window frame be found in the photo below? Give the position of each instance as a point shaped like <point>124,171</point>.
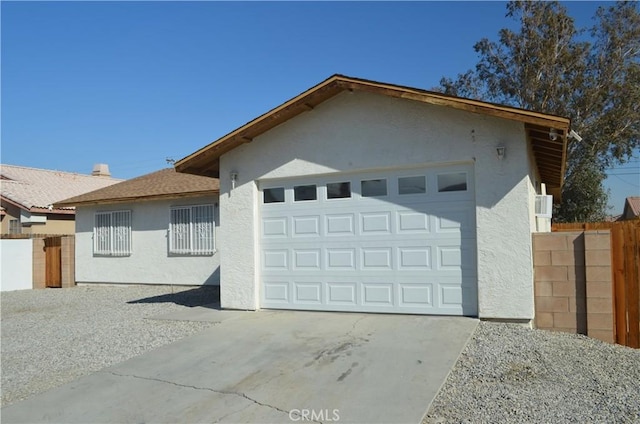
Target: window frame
<point>340,198</point>
<point>264,194</point>
<point>296,192</point>
<point>386,187</point>
<point>207,244</point>
<point>14,226</point>
<point>445,192</point>
<point>417,193</point>
<point>105,244</point>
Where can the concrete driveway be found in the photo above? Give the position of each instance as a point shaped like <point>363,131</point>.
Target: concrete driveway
<point>268,366</point>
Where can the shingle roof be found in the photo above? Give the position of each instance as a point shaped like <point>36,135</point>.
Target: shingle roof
<point>33,188</point>
<point>166,183</point>
<point>634,205</point>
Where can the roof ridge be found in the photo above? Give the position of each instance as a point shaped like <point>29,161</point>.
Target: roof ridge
<point>54,170</point>
<point>163,183</point>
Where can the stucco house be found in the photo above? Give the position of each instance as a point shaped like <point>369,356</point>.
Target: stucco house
<point>27,196</point>
<point>364,196</point>
<point>160,228</point>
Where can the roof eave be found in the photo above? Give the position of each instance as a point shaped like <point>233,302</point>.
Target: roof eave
<point>549,149</point>
<point>14,203</point>
<point>54,211</point>
<point>205,161</point>
<point>132,199</point>
<point>301,103</point>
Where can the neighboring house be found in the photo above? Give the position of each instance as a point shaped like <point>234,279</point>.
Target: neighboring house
<point>364,196</point>
<point>159,228</point>
<point>27,196</point>
<point>631,209</point>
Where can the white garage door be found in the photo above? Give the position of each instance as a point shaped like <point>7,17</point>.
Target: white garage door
<point>392,241</point>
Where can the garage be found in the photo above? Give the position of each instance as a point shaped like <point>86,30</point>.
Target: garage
<point>358,195</point>
<point>391,241</point>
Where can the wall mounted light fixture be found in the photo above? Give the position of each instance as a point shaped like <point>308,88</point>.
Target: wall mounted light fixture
<point>501,150</point>
<point>575,136</point>
<point>234,178</point>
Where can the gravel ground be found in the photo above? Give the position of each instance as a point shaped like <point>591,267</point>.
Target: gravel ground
<point>507,373</point>
<point>53,336</point>
<point>510,374</point>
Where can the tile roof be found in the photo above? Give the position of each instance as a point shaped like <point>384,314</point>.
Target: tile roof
<point>33,188</point>
<point>166,183</point>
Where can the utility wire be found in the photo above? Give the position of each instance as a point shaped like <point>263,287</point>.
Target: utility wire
<point>626,182</point>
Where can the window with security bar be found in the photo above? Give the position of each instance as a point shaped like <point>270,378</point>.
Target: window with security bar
<point>191,230</point>
<point>112,233</point>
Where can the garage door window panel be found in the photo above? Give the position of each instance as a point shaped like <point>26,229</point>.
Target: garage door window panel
<point>339,190</point>
<point>273,195</point>
<point>452,182</point>
<point>304,193</point>
<point>374,188</point>
<point>412,185</point>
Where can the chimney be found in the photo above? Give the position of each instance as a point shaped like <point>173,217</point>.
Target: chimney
<point>101,170</point>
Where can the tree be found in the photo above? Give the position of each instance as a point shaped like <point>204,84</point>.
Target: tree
<point>549,66</point>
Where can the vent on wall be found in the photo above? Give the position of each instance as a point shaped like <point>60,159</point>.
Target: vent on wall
<point>544,206</point>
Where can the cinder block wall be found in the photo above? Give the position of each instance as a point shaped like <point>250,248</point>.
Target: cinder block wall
<point>600,322</point>
<point>39,264</point>
<point>68,259</point>
<point>573,283</point>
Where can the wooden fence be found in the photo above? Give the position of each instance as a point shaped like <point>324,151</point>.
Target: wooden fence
<point>53,261</point>
<point>625,258</point>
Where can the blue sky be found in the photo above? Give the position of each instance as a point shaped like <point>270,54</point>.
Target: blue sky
<point>133,83</point>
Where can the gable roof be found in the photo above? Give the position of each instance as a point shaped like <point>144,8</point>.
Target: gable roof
<point>550,154</point>
<point>166,183</point>
<point>36,189</point>
<point>631,207</point>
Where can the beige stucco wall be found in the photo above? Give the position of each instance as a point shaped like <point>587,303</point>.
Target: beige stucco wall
<point>358,131</point>
<point>55,223</point>
<point>11,212</point>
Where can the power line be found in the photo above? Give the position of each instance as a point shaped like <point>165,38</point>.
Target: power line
<point>626,182</point>
<point>625,167</point>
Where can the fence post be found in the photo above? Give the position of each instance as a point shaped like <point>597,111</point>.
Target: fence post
<point>617,257</point>
<point>631,275</point>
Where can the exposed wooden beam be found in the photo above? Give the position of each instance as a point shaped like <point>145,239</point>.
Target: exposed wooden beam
<point>557,153</point>
<point>542,135</point>
<point>544,145</point>
<point>548,155</point>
